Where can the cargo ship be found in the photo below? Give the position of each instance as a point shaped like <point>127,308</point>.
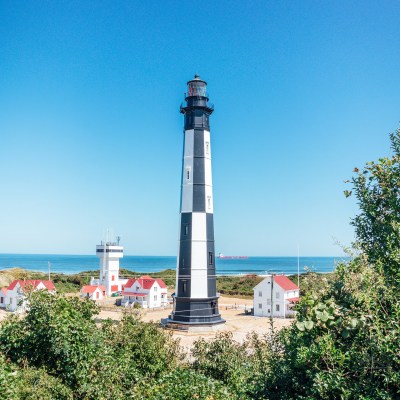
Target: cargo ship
<point>222,256</point>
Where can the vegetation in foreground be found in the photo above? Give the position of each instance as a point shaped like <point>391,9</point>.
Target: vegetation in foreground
<point>344,343</point>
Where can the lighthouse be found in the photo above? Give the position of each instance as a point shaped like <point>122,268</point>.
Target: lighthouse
<point>109,253</point>
<point>196,300</point>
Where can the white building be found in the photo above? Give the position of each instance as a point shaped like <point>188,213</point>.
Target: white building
<point>145,291</point>
<point>3,294</point>
<point>13,298</point>
<point>109,254</point>
<point>93,292</point>
<point>275,295</point>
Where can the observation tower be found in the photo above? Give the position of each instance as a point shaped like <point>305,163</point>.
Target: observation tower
<point>196,300</point>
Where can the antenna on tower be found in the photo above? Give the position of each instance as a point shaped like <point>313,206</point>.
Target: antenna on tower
<point>118,240</point>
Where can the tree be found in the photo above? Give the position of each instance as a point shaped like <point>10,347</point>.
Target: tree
<point>377,188</point>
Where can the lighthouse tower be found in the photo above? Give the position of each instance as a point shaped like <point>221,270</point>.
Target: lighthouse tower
<point>109,254</point>
<point>196,300</point>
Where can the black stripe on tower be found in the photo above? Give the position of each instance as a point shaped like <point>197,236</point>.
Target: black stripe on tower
<point>199,190</point>
<point>198,143</point>
<point>211,280</point>
<point>185,256</point>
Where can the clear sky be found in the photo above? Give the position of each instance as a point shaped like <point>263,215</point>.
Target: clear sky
<point>91,135</point>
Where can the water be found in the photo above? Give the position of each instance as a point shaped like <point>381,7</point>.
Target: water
<point>72,264</point>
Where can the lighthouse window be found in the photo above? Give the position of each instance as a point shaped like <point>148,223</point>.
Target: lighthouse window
<point>186,230</point>
<point>207,148</point>
<point>209,202</point>
<point>188,173</point>
<point>210,257</point>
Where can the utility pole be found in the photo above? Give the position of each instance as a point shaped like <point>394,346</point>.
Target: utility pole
<point>298,265</point>
<point>271,320</point>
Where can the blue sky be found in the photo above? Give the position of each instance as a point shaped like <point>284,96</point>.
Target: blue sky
<point>91,135</point>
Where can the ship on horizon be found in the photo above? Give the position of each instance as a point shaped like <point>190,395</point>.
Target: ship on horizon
<point>222,256</point>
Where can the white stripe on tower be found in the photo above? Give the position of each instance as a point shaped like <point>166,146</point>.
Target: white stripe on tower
<point>187,173</point>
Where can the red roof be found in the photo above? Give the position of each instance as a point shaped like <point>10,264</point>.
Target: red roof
<point>130,283</point>
<point>134,294</point>
<point>285,283</point>
<point>293,299</point>
<point>161,283</point>
<point>91,288</point>
<point>146,282</point>
<point>32,283</point>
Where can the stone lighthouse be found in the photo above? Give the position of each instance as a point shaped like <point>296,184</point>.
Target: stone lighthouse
<point>196,300</point>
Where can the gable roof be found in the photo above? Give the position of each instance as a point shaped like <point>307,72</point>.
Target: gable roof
<point>285,283</point>
<point>161,283</point>
<point>146,282</point>
<point>34,283</point>
<point>91,288</point>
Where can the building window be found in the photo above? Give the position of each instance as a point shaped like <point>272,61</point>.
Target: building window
<point>184,287</point>
<point>137,288</point>
<point>210,258</point>
<point>260,294</point>
<point>1,300</point>
<point>209,202</point>
<point>277,295</point>
<point>207,148</point>
<point>155,297</point>
<point>186,230</point>
<point>155,288</point>
<point>277,307</point>
<point>187,173</point>
<point>97,295</point>
<point>112,277</point>
<point>259,305</point>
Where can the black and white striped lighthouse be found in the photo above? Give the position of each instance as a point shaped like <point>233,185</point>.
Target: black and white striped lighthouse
<point>196,300</point>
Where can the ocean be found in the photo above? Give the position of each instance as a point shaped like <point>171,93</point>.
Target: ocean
<point>73,264</point>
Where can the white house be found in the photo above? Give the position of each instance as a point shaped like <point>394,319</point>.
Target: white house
<point>14,297</point>
<point>93,292</point>
<point>3,294</point>
<point>145,291</point>
<point>275,295</point>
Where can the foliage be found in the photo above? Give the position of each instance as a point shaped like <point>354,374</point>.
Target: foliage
<point>60,336</point>
<point>377,188</point>
<point>183,384</point>
<point>30,383</point>
<point>225,360</point>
